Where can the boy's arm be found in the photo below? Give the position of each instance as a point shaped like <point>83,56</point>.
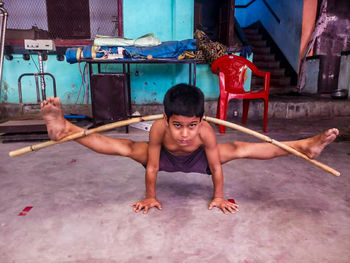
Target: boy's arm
<point>152,168</point>
<point>212,153</point>
<point>154,147</point>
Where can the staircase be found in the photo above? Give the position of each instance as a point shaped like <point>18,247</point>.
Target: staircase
<point>265,60</point>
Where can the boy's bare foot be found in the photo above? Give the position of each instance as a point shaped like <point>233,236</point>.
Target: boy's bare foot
<point>316,144</point>
<point>51,110</point>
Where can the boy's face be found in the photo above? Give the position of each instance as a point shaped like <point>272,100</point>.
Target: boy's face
<point>184,129</point>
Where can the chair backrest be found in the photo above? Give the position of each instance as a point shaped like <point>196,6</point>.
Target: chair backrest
<point>234,69</point>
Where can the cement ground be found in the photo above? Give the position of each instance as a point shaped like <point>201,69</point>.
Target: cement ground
<point>290,211</point>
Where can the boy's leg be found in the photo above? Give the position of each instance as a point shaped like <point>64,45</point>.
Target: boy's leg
<point>311,147</point>
<point>58,127</point>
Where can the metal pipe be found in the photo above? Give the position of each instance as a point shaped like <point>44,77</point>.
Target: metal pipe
<point>4,14</point>
<point>37,84</point>
<point>42,78</point>
<point>37,87</point>
<point>20,90</point>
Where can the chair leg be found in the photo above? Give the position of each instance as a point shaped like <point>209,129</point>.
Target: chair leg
<point>221,111</point>
<point>266,108</point>
<point>245,111</point>
<point>222,129</point>
<point>224,115</point>
<point>218,111</point>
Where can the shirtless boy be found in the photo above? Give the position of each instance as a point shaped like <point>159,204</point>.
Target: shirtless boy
<point>181,141</point>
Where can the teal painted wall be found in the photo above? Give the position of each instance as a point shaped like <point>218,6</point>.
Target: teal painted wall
<point>167,19</point>
<point>287,34</point>
<point>68,79</point>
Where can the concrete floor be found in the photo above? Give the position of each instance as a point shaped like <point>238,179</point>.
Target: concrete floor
<point>290,210</point>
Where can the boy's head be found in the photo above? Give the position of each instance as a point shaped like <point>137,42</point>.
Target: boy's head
<point>184,100</point>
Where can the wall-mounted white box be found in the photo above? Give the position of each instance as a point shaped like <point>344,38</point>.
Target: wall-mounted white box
<point>39,44</point>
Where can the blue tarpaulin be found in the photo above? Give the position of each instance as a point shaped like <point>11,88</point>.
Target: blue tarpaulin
<point>168,49</point>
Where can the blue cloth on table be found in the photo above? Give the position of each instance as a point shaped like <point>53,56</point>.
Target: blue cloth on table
<point>168,49</point>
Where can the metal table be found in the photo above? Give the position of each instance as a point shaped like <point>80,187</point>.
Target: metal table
<point>126,65</point>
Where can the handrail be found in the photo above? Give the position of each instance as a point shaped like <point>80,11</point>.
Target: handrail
<point>272,12</point>
<point>266,4</point>
<point>244,6</point>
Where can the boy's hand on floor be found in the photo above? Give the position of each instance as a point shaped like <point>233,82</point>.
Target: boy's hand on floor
<point>225,205</point>
<point>146,204</point>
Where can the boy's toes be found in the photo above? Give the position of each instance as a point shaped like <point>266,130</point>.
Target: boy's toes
<point>43,104</point>
<point>332,133</point>
<point>336,131</point>
<point>56,101</point>
<point>50,100</point>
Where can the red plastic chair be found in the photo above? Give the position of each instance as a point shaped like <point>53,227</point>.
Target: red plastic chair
<point>231,70</point>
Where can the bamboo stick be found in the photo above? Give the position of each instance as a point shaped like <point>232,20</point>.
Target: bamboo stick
<point>160,116</point>
<point>274,142</point>
<point>78,135</point>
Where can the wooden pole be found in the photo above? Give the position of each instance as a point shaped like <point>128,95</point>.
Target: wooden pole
<point>274,142</point>
<point>78,135</point>
<point>117,124</point>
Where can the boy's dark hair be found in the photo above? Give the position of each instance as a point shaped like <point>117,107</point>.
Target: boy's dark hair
<point>185,100</point>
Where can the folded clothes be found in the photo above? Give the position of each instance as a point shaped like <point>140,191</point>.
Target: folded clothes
<point>147,40</point>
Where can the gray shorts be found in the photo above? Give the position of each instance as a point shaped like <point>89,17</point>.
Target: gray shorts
<point>195,162</point>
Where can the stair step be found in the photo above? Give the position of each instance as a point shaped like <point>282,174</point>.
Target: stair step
<point>250,31</point>
<point>258,43</point>
<point>266,66</point>
<point>271,77</point>
<point>253,37</point>
<point>273,81</point>
<point>267,62</point>
<point>261,50</point>
<point>263,57</point>
<point>277,72</point>
<point>277,89</point>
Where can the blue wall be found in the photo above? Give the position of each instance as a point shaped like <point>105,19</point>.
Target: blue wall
<point>287,34</point>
